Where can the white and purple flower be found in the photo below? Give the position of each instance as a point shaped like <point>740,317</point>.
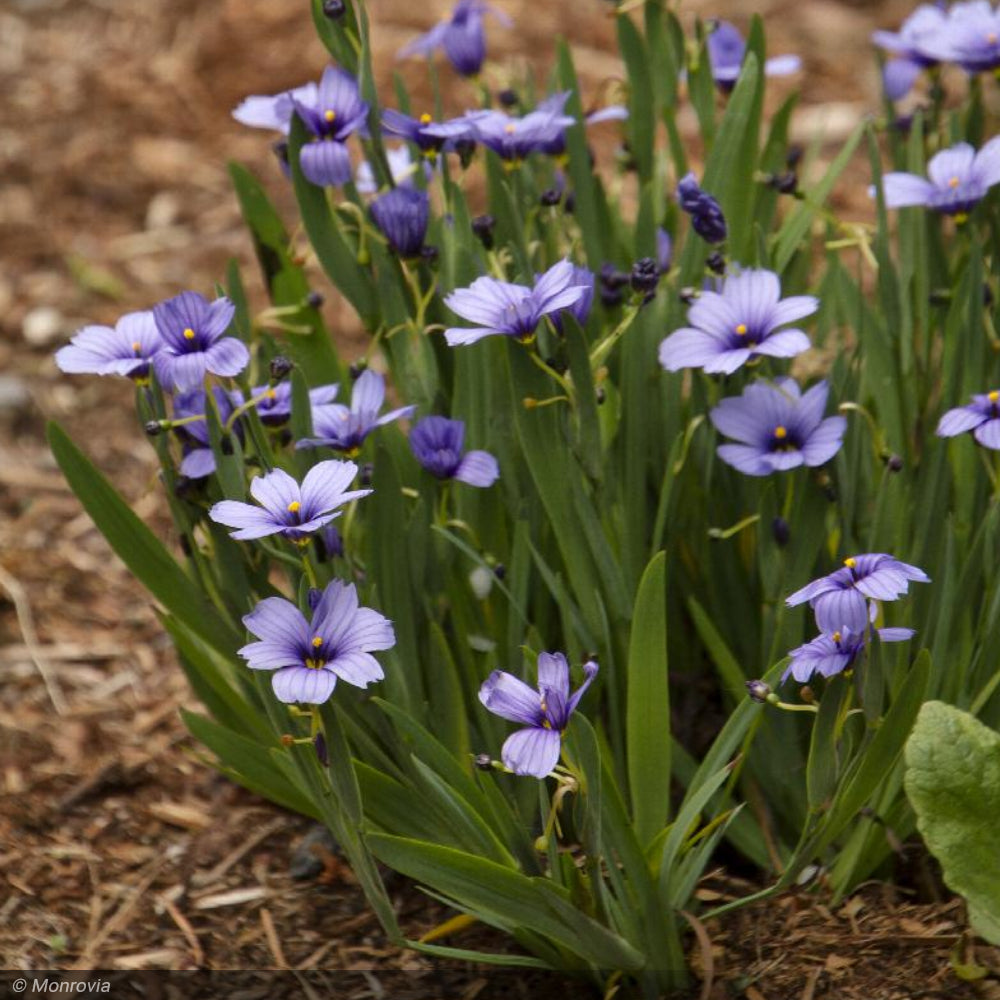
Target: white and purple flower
<point>969,36</point>
<point>288,509</point>
<point>514,139</point>
<point>959,178</point>
<point>438,445</point>
<point>834,652</point>
<point>778,427</point>
<point>981,416</point>
<point>127,348</point>
<point>274,403</point>
<point>402,215</point>
<point>273,112</point>
<point>194,342</point>
<point>909,48</point>
<point>545,712</point>
<point>505,309</point>
<point>741,322</point>
<point>461,36</point>
<point>345,428</point>
<point>199,459</point>
<point>332,113</point>
<point>840,599</point>
<point>308,656</point>
<point>727,50</point>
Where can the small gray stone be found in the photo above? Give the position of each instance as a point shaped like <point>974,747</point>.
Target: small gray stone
<point>42,326</point>
<point>14,396</point>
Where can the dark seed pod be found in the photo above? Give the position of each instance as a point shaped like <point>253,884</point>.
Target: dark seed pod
<point>645,275</point>
<point>550,197</point>
<point>314,300</point>
<point>482,226</point>
<point>280,367</point>
<point>334,9</point>
<point>508,98</point>
<point>483,761</point>
<point>780,531</point>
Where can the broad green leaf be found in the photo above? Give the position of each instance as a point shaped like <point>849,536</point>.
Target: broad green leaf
<point>953,782</point>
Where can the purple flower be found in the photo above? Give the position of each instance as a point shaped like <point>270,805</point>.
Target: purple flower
<point>545,712</point>
<point>401,215</point>
<point>741,322</point>
<point>981,416</point>
<point>345,428</point>
<point>970,36</point>
<point>199,459</point>
<point>273,112</point>
<point>707,219</point>
<point>557,146</point>
<point>833,652</point>
<point>194,344</point>
<point>514,139</point>
<point>428,135</point>
<point>288,509</point>
<point>908,46</point>
<point>461,36</point>
<point>274,403</point>
<point>401,166</point>
<point>332,114</point>
<point>726,51</point>
<point>840,599</point>
<point>501,307</point>
<point>309,656</point>
<point>959,180</point>
<point>437,444</point>
<point>664,250</point>
<point>778,427</point>
<point>125,349</point>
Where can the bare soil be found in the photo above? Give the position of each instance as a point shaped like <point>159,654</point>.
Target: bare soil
<point>120,847</point>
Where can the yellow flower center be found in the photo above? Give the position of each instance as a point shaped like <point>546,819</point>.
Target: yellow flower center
<point>425,119</point>
<point>317,641</point>
<point>961,218</point>
<point>953,182</point>
<point>835,637</point>
<point>294,506</point>
<point>329,115</point>
<point>510,129</point>
<point>994,396</point>
<point>741,329</point>
<point>271,394</point>
<point>189,333</point>
<point>314,664</point>
<point>850,562</point>
<point>780,432</point>
<point>136,347</point>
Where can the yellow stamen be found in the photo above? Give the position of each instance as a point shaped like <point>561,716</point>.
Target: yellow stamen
<point>961,218</point>
<point>780,432</point>
<point>317,641</point>
<point>835,637</point>
<point>994,396</point>
<point>294,506</point>
<point>953,182</point>
<point>850,562</point>
<point>425,119</point>
<point>189,334</point>
<point>329,115</point>
<point>136,347</point>
<point>510,129</point>
<point>741,329</point>
<point>271,394</point>
<point>314,664</point>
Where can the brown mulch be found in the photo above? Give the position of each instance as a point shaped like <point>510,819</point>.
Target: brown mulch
<point>120,847</point>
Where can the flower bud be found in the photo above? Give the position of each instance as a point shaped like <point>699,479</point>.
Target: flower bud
<point>758,691</point>
<point>319,742</point>
<point>550,197</point>
<point>483,761</point>
<point>154,427</point>
<point>357,368</point>
<point>314,300</point>
<point>715,262</point>
<point>280,367</point>
<point>781,531</point>
<point>334,9</point>
<point>645,275</point>
<point>508,98</point>
<point>482,226</point>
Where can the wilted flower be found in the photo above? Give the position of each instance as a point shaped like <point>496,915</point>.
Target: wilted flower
<point>401,215</point>
<point>331,114</point>
<point>126,349</point>
<point>273,112</point>
<point>981,416</point>
<point>199,459</point>
<point>840,599</point>
<point>288,509</point>
<point>778,426</point>
<point>514,139</point>
<point>512,310</point>
<point>309,656</point>
<point>545,712</point>
<point>345,428</point>
<point>274,403</point>
<point>969,36</point>
<point>959,180</point>
<point>461,36</point>
<point>738,323</point>
<point>437,444</point>
<point>707,219</point>
<point>909,48</point>
<point>192,330</point>
<point>833,652</point>
<point>726,51</point>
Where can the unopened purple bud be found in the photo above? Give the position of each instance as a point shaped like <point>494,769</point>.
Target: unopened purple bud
<point>499,571</point>
<point>483,761</point>
<point>786,183</point>
<point>893,463</point>
<point>508,98</point>
<point>314,300</point>
<point>357,368</point>
<point>154,427</point>
<point>365,474</point>
<point>758,691</point>
<point>280,367</point>
<point>334,9</point>
<point>550,197</point>
<point>319,742</point>
<point>645,275</point>
<point>715,262</point>
<point>482,226</point>
<point>781,531</point>
<point>793,155</point>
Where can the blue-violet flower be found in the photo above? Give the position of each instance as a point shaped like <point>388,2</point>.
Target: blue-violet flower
<point>437,444</point>
<point>461,36</point>
<point>981,416</point>
<point>127,348</point>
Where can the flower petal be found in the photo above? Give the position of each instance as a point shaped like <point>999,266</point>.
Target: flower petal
<point>533,751</point>
<point>478,468</point>
<point>511,699</point>
<point>301,684</point>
